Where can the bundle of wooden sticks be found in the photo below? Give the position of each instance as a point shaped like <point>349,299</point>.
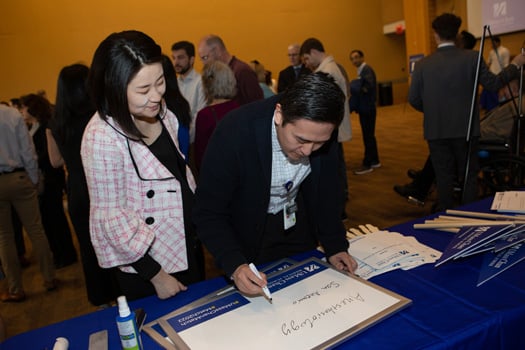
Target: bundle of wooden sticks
<point>459,218</point>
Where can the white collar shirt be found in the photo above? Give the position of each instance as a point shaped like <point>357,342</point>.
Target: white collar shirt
<point>287,176</point>
<point>190,87</point>
<point>360,68</point>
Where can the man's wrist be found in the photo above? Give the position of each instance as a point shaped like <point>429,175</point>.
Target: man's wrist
<point>234,274</point>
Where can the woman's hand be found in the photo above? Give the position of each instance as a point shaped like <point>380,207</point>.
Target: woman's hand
<point>166,285</point>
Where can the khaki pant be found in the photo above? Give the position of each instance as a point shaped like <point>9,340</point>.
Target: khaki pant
<point>17,189</point>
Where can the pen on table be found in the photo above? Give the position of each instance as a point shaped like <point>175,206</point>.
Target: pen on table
<point>265,288</point>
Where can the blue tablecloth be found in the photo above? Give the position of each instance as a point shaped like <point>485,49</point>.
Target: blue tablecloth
<point>448,310</point>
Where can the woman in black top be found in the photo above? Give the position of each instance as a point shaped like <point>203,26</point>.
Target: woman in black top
<point>73,110</point>
<point>37,112</point>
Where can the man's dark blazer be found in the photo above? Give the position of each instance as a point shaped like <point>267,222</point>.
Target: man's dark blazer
<point>287,77</point>
<point>233,189</point>
<point>442,86</point>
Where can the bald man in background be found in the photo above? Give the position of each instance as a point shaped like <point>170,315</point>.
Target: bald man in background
<point>290,74</point>
<point>212,48</point>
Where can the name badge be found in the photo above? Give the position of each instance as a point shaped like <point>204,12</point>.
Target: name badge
<point>289,214</point>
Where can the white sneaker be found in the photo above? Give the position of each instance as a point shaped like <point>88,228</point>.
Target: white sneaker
<point>375,166</point>
<point>363,170</point>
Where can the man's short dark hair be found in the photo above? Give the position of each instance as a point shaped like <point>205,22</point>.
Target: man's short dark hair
<point>311,44</point>
<point>186,46</point>
<point>447,26</point>
<point>315,97</point>
<point>359,52</point>
<point>468,41</point>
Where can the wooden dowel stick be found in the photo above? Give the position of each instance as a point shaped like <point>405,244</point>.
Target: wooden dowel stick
<point>484,215</point>
<point>459,218</point>
<point>457,224</point>
<point>451,230</point>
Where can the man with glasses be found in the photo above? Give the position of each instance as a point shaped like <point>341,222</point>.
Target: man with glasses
<point>212,48</point>
<point>290,74</point>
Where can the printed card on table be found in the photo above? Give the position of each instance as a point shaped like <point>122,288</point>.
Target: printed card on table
<point>496,263</point>
<point>469,238</point>
<point>509,241</point>
<point>383,251</point>
<point>509,202</point>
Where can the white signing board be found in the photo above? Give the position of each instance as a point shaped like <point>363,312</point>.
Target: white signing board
<point>314,307</point>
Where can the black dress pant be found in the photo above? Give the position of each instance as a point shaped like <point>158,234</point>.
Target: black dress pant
<point>449,158</point>
<point>368,129</point>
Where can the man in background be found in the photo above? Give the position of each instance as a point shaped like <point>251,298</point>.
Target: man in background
<point>18,183</point>
<point>441,88</point>
<point>499,56</point>
<point>212,48</point>
<point>417,191</point>
<point>290,74</point>
<point>313,54</point>
<point>363,100</point>
<point>190,82</point>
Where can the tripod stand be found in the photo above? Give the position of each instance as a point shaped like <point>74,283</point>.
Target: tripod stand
<point>504,167</point>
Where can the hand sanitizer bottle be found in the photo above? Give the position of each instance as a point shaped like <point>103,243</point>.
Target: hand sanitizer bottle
<point>127,326</point>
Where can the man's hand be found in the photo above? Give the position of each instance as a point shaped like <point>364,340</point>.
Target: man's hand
<point>166,285</point>
<point>343,261</point>
<point>519,59</point>
<point>247,282</point>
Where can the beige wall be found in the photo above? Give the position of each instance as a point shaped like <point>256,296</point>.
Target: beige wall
<point>38,38</point>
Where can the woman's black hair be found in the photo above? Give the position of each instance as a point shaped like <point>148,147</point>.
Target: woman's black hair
<point>174,99</point>
<point>38,106</point>
<point>116,62</point>
<point>73,105</point>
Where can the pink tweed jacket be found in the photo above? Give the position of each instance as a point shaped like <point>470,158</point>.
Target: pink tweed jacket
<point>134,208</point>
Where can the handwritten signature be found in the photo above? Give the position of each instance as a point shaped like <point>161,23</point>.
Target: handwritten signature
<point>330,285</point>
<point>288,328</point>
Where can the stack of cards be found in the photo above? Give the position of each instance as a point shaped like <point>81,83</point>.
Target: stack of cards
<point>472,240</point>
<point>382,251</point>
<point>509,202</point>
<point>500,237</point>
<point>495,263</point>
<point>502,245</point>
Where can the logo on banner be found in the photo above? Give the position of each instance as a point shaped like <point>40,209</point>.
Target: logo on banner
<point>499,9</point>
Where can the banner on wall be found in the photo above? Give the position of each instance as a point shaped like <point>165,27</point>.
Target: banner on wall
<point>503,16</point>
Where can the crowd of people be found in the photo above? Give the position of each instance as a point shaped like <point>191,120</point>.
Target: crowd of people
<point>162,160</point>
